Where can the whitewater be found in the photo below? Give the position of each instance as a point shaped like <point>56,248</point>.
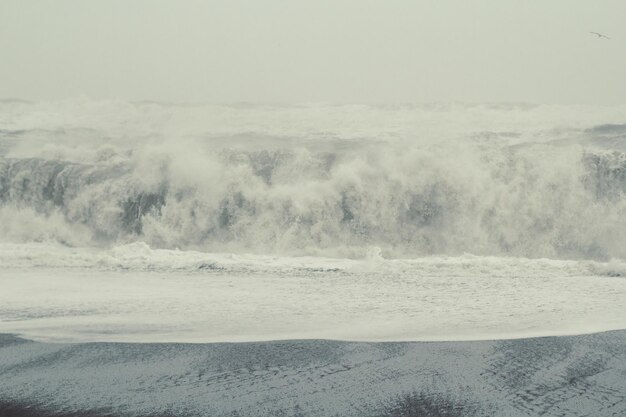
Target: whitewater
<point>147,221</point>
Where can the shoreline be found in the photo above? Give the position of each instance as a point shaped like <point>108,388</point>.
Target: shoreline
<point>249,340</point>
<point>572,375</point>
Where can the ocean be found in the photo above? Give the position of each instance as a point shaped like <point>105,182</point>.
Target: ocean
<point>161,222</point>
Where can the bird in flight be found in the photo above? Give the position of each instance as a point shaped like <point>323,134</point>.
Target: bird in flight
<point>599,35</point>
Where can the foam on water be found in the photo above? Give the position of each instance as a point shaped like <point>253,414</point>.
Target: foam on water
<point>517,180</point>
<point>139,257</point>
<point>135,293</point>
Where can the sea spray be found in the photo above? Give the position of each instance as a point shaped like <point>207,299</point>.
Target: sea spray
<point>408,189</point>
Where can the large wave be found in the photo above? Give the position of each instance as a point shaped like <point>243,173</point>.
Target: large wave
<point>546,192</point>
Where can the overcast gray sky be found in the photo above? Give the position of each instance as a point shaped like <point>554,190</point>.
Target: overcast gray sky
<point>344,51</point>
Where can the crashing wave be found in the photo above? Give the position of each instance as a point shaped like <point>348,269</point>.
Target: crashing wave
<point>534,201</point>
<point>316,180</point>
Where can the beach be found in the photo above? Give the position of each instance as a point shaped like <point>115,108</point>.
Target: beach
<point>573,376</point>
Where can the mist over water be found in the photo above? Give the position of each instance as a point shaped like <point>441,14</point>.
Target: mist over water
<point>497,180</point>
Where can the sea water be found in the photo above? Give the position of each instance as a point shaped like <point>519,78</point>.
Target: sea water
<point>168,222</point>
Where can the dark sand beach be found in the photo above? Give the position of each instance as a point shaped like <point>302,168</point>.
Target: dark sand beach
<point>551,376</point>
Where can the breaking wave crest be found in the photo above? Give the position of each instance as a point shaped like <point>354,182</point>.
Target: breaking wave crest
<point>534,200</point>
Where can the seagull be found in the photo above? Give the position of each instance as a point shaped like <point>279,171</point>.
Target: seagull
<point>599,35</point>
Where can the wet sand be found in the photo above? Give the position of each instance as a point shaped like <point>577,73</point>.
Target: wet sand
<point>552,376</point>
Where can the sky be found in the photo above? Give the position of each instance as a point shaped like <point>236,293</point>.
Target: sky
<point>303,51</point>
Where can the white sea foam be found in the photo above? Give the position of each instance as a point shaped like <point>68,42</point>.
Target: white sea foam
<point>139,257</point>
<point>534,181</point>
<point>134,293</point>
